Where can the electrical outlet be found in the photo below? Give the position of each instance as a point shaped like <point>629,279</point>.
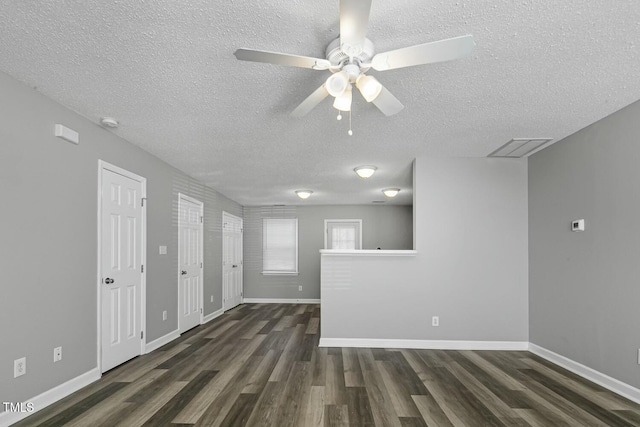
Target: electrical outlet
<point>164,315</point>
<point>19,367</point>
<point>435,321</point>
<point>211,298</point>
<point>300,288</point>
<point>57,354</point>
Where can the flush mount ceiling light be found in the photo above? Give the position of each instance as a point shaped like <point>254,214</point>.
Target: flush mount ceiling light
<point>365,172</point>
<point>391,192</point>
<point>304,194</point>
<point>109,122</point>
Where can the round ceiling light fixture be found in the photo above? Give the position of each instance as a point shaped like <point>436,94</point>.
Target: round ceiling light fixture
<point>390,192</point>
<point>365,172</point>
<point>304,194</point>
<point>109,122</point>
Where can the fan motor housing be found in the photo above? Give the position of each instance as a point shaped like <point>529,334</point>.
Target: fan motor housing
<point>338,58</point>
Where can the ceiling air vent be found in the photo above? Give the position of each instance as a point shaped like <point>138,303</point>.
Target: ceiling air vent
<point>519,147</point>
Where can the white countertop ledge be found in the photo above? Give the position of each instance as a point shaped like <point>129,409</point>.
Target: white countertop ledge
<point>367,252</point>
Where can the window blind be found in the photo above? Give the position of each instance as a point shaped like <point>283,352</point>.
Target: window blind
<point>280,245</point>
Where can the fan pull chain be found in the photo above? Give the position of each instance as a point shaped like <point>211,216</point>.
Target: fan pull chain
<point>350,131</point>
<point>339,115</point>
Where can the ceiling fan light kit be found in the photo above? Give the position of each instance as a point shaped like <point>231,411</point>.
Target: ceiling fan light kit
<point>337,83</point>
<point>343,101</point>
<point>369,87</point>
<point>351,55</point>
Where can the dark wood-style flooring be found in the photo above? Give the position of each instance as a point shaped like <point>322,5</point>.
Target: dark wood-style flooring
<point>260,365</point>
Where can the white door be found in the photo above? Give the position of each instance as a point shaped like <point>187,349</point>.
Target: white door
<point>190,264</point>
<point>121,245</point>
<point>231,260</point>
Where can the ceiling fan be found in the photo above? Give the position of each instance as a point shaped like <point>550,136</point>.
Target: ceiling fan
<point>351,55</point>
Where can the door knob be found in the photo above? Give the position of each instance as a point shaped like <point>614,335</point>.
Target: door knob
<point>184,272</point>
<point>108,281</point>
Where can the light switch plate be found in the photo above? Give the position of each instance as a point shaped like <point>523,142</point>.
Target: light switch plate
<point>162,250</point>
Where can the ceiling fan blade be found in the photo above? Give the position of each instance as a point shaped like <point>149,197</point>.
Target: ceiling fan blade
<point>387,103</point>
<point>427,53</point>
<point>310,103</point>
<point>354,20</point>
<point>282,59</point>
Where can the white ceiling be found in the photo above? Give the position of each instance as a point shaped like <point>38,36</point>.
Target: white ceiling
<point>165,69</point>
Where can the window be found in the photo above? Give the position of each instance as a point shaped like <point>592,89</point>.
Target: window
<point>343,234</point>
<point>280,246</point>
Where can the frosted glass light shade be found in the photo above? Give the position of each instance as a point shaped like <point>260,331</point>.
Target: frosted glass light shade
<point>369,87</point>
<point>391,192</point>
<point>343,102</point>
<point>365,171</point>
<point>337,83</point>
<point>304,194</point>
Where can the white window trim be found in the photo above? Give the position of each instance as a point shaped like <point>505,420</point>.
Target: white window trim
<point>326,229</point>
<point>278,272</point>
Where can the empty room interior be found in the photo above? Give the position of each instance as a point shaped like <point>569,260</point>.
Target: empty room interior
<point>320,213</point>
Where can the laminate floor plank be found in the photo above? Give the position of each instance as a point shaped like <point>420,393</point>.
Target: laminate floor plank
<point>498,407</point>
<point>194,410</point>
<point>260,365</point>
<point>461,400</point>
<point>381,405</point>
<point>336,416</point>
<point>493,378</point>
<point>608,417</point>
<point>335,392</point>
<point>359,407</point>
<point>400,398</point>
<point>165,415</point>
<point>352,371</point>
<point>594,395</point>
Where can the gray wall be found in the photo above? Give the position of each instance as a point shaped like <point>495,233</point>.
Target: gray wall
<point>584,290</point>
<point>388,227</point>
<point>48,248</point>
<point>471,238</point>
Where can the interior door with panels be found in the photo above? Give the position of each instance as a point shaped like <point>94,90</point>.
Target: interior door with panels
<point>121,266</point>
<point>190,232</point>
<point>232,262</point>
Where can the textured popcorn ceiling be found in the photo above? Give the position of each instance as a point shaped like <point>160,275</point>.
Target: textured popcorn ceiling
<point>165,69</point>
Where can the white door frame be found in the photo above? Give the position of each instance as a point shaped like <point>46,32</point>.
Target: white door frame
<point>182,197</point>
<point>102,165</point>
<point>326,229</point>
<point>241,220</point>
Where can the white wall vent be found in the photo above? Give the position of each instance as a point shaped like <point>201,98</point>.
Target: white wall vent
<point>519,147</point>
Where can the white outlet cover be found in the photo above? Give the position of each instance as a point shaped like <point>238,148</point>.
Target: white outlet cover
<point>57,354</point>
<point>19,367</point>
<point>435,321</point>
<point>164,315</point>
<point>162,250</point>
<point>211,298</point>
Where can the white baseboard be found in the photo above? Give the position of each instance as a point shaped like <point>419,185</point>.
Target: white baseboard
<point>211,316</point>
<point>424,344</point>
<point>280,301</point>
<point>159,342</point>
<point>597,377</point>
<point>45,399</point>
